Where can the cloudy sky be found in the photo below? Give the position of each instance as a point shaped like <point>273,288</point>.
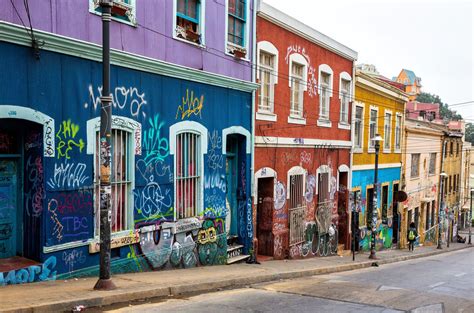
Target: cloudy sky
<point>434,38</point>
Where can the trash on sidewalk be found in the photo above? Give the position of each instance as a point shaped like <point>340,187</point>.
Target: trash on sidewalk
<point>78,308</point>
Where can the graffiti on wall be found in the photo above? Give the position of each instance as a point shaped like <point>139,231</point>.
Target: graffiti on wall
<point>30,274</point>
<point>68,140</point>
<point>312,85</point>
<point>153,201</point>
<point>68,175</point>
<point>123,98</point>
<point>34,195</point>
<point>280,195</point>
<point>190,105</point>
<point>154,143</point>
<point>184,243</point>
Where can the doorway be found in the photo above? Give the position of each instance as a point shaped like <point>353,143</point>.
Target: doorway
<point>343,224</point>
<point>21,190</point>
<point>265,216</point>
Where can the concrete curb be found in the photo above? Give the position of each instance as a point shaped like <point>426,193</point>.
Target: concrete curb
<point>106,298</point>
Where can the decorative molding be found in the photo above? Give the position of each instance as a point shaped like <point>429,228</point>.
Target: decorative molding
<point>269,48</point>
<point>291,24</point>
<point>295,170</point>
<point>65,45</point>
<point>236,130</point>
<point>266,116</point>
<point>25,113</point>
<point>268,141</point>
<point>371,166</point>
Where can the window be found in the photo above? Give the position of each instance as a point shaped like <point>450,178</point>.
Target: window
<point>372,127</point>
<point>125,11</point>
<point>188,20</point>
<point>296,208</point>
<point>384,203</point>
<point>266,92</point>
<point>450,186</point>
<point>398,132</point>
<point>296,108</point>
<point>358,127</point>
<point>344,96</point>
<point>323,188</point>
<point>325,96</point>
<point>236,22</point>
<point>457,148</point>
<point>432,168</point>
<point>120,180</point>
<point>387,131</point>
<point>188,174</point>
<point>415,165</point>
<point>451,150</point>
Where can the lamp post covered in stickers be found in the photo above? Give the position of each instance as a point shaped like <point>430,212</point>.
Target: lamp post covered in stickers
<point>377,139</point>
<point>104,282</point>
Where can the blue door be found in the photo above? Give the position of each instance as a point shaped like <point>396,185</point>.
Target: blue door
<point>231,197</point>
<point>8,210</point>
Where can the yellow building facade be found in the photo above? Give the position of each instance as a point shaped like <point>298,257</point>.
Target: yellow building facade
<point>378,108</point>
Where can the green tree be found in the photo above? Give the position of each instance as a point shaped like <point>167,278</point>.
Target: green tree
<point>469,134</point>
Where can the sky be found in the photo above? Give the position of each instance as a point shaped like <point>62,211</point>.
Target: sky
<point>433,38</point>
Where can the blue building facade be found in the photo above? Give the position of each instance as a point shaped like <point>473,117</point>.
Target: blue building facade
<point>181,162</point>
<point>362,186</point>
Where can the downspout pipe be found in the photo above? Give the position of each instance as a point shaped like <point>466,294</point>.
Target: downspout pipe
<point>254,59</point>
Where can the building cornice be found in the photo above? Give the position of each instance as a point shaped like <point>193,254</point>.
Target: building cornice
<point>15,34</point>
<point>291,24</point>
<point>375,85</point>
<point>269,141</point>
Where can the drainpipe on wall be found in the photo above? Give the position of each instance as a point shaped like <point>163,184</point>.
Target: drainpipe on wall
<point>351,156</point>
<point>254,58</point>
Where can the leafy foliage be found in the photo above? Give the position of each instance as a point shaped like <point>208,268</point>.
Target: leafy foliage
<point>469,134</point>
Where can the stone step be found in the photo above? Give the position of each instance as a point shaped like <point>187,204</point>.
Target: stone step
<point>234,247</point>
<point>238,258</point>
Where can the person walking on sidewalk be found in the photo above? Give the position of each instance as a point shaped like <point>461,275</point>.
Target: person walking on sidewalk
<point>411,236</point>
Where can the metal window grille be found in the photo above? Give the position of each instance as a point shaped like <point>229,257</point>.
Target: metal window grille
<point>345,87</point>
<point>324,110</point>
<point>296,108</point>
<point>432,213</point>
<point>358,127</point>
<point>432,163</point>
<point>398,130</point>
<point>372,127</point>
<point>415,165</point>
<point>387,130</point>
<point>296,209</point>
<point>266,84</point>
<point>120,180</point>
<point>188,175</point>
<point>428,218</point>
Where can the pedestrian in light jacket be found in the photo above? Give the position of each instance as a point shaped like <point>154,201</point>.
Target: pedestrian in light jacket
<point>411,236</point>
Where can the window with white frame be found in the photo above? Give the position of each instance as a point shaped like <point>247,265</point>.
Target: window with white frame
<point>415,165</point>
<point>123,10</point>
<point>296,108</point>
<point>387,130</point>
<point>266,92</point>
<point>372,127</point>
<point>398,132</point>
<point>189,20</point>
<point>188,174</point>
<point>358,127</point>
<point>325,96</point>
<point>345,98</point>
<point>236,20</point>
<point>120,180</point>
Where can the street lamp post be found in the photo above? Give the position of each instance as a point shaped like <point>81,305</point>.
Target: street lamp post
<point>105,282</point>
<point>441,206</point>
<point>377,139</point>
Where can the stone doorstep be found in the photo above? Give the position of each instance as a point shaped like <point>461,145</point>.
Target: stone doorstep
<point>106,298</point>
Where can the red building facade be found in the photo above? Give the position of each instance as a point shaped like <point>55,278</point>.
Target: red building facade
<point>302,139</point>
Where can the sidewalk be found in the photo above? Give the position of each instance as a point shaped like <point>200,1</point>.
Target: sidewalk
<point>64,295</point>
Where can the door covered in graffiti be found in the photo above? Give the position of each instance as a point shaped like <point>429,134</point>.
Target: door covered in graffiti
<point>8,196</point>
<point>265,216</point>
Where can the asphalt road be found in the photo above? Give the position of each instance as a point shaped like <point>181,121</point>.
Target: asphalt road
<point>442,283</point>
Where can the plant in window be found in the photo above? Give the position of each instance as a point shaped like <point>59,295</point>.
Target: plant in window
<point>187,20</point>
<point>236,20</point>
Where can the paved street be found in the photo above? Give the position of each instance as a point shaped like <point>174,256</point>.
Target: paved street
<point>442,283</point>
